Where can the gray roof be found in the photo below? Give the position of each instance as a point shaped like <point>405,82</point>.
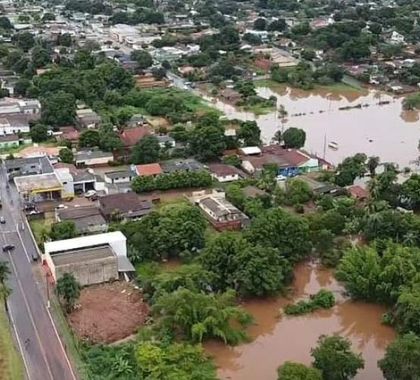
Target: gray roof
<point>30,165</point>
<point>220,206</point>
<point>83,255</point>
<point>83,176</point>
<point>83,217</point>
<point>84,155</point>
<point>177,165</point>
<point>120,173</point>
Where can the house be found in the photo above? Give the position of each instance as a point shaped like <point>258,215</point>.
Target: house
<point>87,118</point>
<point>224,173</point>
<point>396,38</point>
<point>131,136</point>
<point>87,220</point>
<point>124,206</point>
<point>282,58</point>
<point>230,95</point>
<point>166,141</point>
<point>148,170</point>
<point>8,141</point>
<point>92,259</point>
<point>119,176</point>
<point>39,187</point>
<point>188,165</point>
<point>222,214</point>
<point>27,166</point>
<point>358,192</point>
<point>69,134</point>
<point>136,121</point>
<point>289,162</point>
<point>14,123</point>
<point>92,158</point>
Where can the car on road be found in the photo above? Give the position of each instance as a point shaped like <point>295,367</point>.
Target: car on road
<point>2,220</point>
<point>8,247</point>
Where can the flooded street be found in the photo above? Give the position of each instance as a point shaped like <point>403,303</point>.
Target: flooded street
<point>382,130</point>
<point>278,339</point>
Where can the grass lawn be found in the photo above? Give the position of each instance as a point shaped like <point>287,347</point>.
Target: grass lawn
<point>259,109</point>
<point>334,88</point>
<point>40,227</point>
<point>11,364</point>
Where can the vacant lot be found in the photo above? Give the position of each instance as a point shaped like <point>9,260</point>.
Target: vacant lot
<point>108,312</point>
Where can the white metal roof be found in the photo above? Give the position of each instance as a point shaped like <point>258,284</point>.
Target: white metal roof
<point>249,150</point>
<point>84,241</point>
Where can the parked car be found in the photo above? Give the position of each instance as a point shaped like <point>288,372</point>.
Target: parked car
<point>2,220</point>
<point>8,247</point>
<point>90,193</point>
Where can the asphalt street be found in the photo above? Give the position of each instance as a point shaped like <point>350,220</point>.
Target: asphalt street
<point>43,353</point>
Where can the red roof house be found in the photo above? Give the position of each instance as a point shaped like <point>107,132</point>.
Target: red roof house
<point>148,170</point>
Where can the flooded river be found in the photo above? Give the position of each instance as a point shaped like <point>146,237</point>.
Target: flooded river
<point>278,339</point>
<point>382,130</point>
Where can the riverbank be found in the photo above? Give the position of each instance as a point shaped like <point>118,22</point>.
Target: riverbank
<point>11,365</point>
<point>276,338</point>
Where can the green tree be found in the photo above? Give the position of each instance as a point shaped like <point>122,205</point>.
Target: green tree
<point>24,40</point>
<point>143,58</point>
<point>298,192</point>
<point>39,133</point>
<point>64,39</point>
<point>410,191</point>
<point>350,169</point>
<point>146,151</point>
<point>5,23</point>
<point>277,25</point>
<point>109,141</point>
<point>372,164</point>
<point>250,133</point>
<point>21,86</point>
<point>207,143</point>
<point>294,138</point>
<point>173,230</point>
<point>69,290</point>
<point>89,138</point>
<point>63,230</point>
<point>199,316</point>
<point>40,57</point>
<point>58,108</point>
<point>66,155</point>
<point>298,371</point>
<point>360,271</point>
<point>402,359</point>
<point>334,358</point>
<point>174,361</point>
<point>278,229</point>
<point>250,270</point>
<point>260,24</point>
<point>407,310</point>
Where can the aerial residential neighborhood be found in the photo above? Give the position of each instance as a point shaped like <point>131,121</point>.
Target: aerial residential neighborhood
<point>207,190</point>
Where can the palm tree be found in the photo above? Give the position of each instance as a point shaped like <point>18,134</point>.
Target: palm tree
<point>4,289</point>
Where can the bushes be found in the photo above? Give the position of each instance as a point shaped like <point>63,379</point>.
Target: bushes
<point>175,180</point>
<point>324,299</point>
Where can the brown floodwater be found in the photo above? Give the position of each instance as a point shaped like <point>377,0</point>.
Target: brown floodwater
<point>383,130</point>
<point>277,339</point>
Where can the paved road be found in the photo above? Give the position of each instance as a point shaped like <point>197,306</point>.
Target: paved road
<point>42,350</point>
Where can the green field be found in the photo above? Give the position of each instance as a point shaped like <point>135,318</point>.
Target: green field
<point>11,365</point>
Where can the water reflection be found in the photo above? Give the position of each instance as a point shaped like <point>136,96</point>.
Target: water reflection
<point>276,339</point>
<point>381,130</point>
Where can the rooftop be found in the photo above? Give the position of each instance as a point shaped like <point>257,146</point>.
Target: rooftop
<point>131,136</point>
<point>126,203</point>
<point>148,169</point>
<point>90,154</point>
<point>77,256</point>
<point>38,183</point>
<point>219,206</point>
<point>83,242</point>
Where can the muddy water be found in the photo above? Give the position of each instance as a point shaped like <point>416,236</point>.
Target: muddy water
<point>382,130</point>
<point>277,339</point>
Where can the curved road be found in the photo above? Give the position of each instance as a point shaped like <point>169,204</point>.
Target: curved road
<point>43,353</point>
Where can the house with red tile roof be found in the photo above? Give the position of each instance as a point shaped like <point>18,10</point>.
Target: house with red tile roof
<point>149,170</point>
<point>132,136</point>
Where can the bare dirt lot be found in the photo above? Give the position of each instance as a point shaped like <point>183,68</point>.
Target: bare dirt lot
<point>108,312</point>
